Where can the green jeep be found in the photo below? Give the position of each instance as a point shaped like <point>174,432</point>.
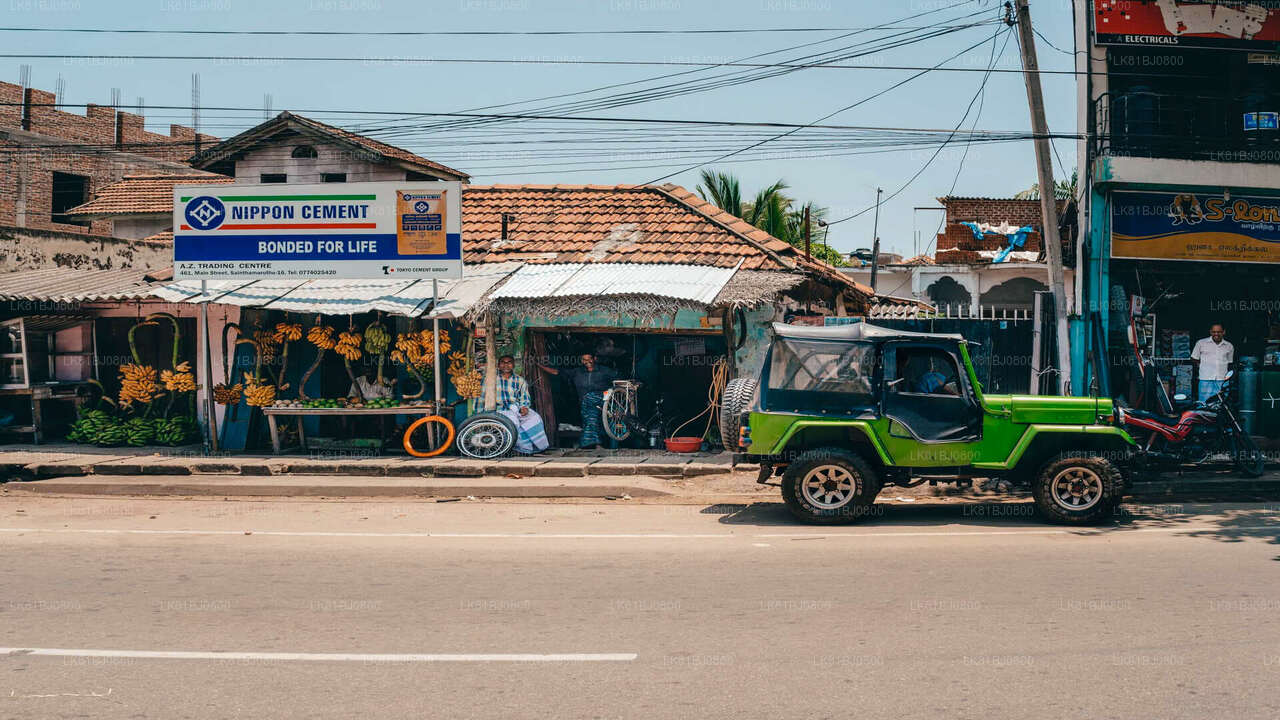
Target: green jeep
<point>840,412</point>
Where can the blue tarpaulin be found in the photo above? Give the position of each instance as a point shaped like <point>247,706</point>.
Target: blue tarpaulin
<point>1017,239</point>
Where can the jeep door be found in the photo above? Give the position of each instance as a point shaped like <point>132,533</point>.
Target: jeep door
<point>927,395</point>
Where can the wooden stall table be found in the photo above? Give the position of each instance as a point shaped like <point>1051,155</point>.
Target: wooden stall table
<point>273,412</point>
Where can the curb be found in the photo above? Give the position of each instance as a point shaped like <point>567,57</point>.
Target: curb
<point>198,489</point>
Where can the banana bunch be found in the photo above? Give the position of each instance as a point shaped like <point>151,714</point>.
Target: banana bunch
<point>416,348</point>
<point>267,345</point>
<point>468,383</point>
<point>112,435</point>
<point>90,423</point>
<point>176,430</point>
<point>287,332</point>
<point>376,339</point>
<point>348,345</point>
<point>224,394</point>
<point>139,431</point>
<point>321,336</point>
<point>137,383</point>
<point>180,379</point>
<point>257,393</point>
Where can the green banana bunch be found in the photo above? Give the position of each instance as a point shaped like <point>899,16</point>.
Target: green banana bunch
<point>140,431</point>
<point>376,339</point>
<point>111,435</point>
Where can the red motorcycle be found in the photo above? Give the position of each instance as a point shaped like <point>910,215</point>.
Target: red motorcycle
<point>1200,435</point>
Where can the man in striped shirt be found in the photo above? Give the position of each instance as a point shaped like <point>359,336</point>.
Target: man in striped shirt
<point>514,403</point>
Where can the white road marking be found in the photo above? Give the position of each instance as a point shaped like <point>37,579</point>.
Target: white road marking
<point>323,657</point>
<point>1087,531</point>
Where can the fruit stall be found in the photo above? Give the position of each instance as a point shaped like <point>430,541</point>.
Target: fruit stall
<point>323,373</point>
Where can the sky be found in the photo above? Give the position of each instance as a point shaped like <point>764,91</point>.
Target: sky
<point>383,74</point>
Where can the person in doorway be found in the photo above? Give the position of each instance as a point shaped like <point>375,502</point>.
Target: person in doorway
<point>514,403</point>
<point>367,386</point>
<point>1214,356</point>
<point>589,381</point>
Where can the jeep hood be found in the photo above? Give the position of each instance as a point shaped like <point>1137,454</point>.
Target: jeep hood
<point>1050,409</point>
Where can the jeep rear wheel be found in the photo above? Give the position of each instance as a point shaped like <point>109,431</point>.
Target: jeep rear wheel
<point>737,393</point>
<point>1078,489</point>
<point>829,486</point>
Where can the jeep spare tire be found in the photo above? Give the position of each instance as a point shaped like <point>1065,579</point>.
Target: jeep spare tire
<point>1078,488</point>
<point>737,393</point>
<point>829,486</point>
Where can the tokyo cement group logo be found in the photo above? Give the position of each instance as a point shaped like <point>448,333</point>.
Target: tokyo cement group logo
<point>205,213</point>
<point>421,206</point>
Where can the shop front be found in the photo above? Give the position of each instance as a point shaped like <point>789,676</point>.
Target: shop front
<point>1179,261</point>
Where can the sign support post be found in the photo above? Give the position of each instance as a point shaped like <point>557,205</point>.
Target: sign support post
<point>435,335</point>
<point>206,360</point>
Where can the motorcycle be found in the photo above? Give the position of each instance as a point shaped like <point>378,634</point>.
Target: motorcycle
<point>1198,435</point>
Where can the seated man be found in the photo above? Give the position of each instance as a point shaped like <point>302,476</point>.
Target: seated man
<point>513,402</point>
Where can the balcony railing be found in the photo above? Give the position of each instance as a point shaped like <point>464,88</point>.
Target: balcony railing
<point>1182,127</point>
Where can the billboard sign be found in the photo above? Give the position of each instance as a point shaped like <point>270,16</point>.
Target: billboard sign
<point>352,230</point>
<point>1221,24</point>
<point>1190,226</point>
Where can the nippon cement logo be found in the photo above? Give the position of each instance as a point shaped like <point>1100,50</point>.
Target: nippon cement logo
<point>205,213</point>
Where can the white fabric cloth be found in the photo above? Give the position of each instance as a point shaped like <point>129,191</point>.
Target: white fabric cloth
<point>531,436</point>
<point>1214,358</point>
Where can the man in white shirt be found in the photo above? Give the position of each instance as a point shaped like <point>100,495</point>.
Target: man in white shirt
<point>1214,355</point>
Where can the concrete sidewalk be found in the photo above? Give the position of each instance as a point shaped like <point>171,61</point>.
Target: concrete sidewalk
<point>28,462</point>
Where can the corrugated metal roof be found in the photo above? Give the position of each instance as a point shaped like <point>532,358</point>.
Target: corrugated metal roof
<point>71,285</point>
<point>411,298</point>
<point>698,283</point>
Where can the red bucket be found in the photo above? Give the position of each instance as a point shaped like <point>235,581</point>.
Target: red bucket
<point>683,444</point>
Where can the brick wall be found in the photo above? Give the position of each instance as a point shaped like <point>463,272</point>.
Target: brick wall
<point>106,146</point>
<point>957,244</point>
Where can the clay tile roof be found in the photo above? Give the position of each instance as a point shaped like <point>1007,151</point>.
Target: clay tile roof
<point>918,260</point>
<point>142,194</point>
<point>621,223</point>
<point>289,121</point>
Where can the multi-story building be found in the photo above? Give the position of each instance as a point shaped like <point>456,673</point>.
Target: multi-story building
<point>1180,164</point>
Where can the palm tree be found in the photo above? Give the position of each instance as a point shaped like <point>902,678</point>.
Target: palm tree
<point>772,210</point>
<point>1062,189</point>
<point>721,190</point>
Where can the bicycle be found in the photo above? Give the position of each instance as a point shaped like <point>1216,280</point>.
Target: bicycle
<point>620,414</point>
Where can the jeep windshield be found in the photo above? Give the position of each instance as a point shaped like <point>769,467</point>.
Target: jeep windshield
<point>819,375</point>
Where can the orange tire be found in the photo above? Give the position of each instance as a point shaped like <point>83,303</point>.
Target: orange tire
<point>408,433</point>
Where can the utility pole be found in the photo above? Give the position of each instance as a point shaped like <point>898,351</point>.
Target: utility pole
<point>806,232</point>
<point>1048,197</point>
<point>875,242</point>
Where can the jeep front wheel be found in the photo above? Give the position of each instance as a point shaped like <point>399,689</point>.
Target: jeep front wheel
<point>1078,489</point>
<point>829,486</point>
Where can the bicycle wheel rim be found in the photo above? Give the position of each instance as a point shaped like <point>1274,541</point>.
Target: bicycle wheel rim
<point>422,424</point>
<point>613,414</point>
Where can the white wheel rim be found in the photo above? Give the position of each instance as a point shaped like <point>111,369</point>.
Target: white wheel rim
<point>829,487</point>
<point>613,411</point>
<point>484,439</point>
<point>1076,488</point>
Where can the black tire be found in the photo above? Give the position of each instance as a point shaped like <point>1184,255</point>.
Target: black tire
<point>1078,488</point>
<point>844,506</point>
<point>737,393</point>
<point>486,436</point>
<point>1249,461</point>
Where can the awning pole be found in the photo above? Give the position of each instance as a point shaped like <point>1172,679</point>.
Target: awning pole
<point>435,334</point>
<point>211,421</point>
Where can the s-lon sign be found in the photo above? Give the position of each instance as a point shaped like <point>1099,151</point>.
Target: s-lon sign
<point>1221,24</point>
<point>1191,226</point>
<point>305,232</point>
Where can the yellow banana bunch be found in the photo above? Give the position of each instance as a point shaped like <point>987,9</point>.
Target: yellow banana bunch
<point>348,345</point>
<point>257,393</point>
<point>137,383</point>
<point>224,394</point>
<point>180,379</point>
<point>287,332</point>
<point>469,384</point>
<point>267,345</point>
<point>321,336</point>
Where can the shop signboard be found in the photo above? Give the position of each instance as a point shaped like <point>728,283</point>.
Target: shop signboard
<point>1169,23</point>
<point>375,230</point>
<point>1213,227</point>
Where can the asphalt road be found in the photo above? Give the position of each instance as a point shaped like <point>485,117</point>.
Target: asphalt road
<point>524,610</point>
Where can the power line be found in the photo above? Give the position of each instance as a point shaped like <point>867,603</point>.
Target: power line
<point>439,33</point>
